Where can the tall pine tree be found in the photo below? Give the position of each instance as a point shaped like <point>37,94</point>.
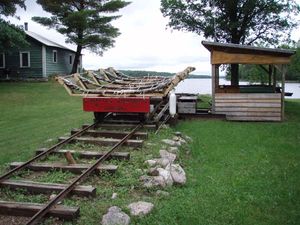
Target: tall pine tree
<point>11,36</point>
<point>83,22</point>
<point>234,21</point>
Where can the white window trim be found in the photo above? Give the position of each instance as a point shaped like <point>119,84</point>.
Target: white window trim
<point>53,56</point>
<point>72,59</point>
<point>21,59</point>
<point>2,67</point>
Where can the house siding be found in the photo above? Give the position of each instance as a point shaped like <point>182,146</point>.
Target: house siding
<point>12,62</point>
<point>62,66</point>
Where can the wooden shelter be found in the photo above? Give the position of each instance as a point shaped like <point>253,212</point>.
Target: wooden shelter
<point>251,102</point>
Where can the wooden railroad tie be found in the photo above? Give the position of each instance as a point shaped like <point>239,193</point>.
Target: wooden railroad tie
<point>112,134</point>
<point>105,141</point>
<point>122,126</point>
<point>29,209</point>
<point>89,154</point>
<point>76,169</point>
<point>47,188</point>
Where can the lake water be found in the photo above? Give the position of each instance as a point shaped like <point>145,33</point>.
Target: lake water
<point>203,86</point>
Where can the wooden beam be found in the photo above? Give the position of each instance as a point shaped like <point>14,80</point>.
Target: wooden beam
<point>112,134</point>
<point>284,71</point>
<point>122,126</point>
<point>29,209</point>
<point>213,86</point>
<point>77,169</point>
<point>90,154</point>
<point>105,141</point>
<point>47,188</point>
<point>219,57</point>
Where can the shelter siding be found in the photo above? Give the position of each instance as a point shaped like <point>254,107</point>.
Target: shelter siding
<point>12,62</point>
<point>62,66</point>
<point>249,107</point>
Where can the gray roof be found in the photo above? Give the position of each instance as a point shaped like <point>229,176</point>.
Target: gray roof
<point>46,41</point>
<point>237,48</point>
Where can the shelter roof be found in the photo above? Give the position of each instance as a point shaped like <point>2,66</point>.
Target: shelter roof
<point>46,41</point>
<point>223,53</point>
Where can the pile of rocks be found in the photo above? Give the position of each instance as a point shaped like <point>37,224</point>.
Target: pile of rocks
<point>163,171</point>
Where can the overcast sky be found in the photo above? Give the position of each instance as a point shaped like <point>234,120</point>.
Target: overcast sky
<point>144,44</point>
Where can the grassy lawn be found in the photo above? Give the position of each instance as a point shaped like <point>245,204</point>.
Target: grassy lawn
<point>238,173</point>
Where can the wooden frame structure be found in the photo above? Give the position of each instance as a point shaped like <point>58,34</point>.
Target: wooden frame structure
<point>230,100</point>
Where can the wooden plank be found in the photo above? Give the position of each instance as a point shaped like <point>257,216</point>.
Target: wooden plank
<point>77,168</point>
<point>247,109</point>
<point>246,118</point>
<point>122,126</point>
<point>47,188</point>
<point>247,95</point>
<point>220,57</point>
<point>186,104</point>
<point>90,154</point>
<point>112,134</point>
<point>261,104</point>
<point>29,209</point>
<point>161,113</point>
<point>187,99</point>
<point>105,141</point>
<point>249,100</point>
<point>255,114</point>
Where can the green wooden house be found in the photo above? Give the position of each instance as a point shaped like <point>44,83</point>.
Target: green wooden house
<point>38,61</point>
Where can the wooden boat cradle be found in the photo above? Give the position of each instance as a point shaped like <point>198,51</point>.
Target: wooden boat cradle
<point>112,83</point>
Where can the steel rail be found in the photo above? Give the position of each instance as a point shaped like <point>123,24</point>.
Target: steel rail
<point>39,215</point>
<point>49,150</point>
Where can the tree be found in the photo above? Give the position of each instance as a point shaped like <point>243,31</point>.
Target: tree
<point>8,8</point>
<point>264,22</point>
<point>83,22</point>
<point>11,36</point>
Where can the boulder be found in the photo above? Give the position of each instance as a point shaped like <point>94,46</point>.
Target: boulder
<point>173,150</point>
<point>166,175</point>
<point>150,162</point>
<point>140,208</point>
<point>163,162</point>
<point>167,155</point>
<point>115,216</point>
<point>170,142</point>
<point>153,172</point>
<point>153,181</point>
<point>177,173</point>
<point>178,134</point>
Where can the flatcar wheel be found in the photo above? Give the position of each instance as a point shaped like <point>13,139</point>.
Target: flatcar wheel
<point>99,116</point>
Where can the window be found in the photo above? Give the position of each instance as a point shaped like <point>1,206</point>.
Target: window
<point>70,59</point>
<point>2,60</point>
<point>55,56</point>
<point>24,59</point>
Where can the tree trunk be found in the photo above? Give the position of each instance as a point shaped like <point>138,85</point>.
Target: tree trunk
<point>234,69</point>
<point>76,59</point>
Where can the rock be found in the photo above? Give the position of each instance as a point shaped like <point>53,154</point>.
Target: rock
<point>140,208</point>
<point>150,162</point>
<point>153,181</point>
<point>153,172</point>
<point>167,155</point>
<point>178,134</point>
<point>114,196</point>
<point>163,162</point>
<point>170,142</point>
<point>182,141</point>
<point>115,216</point>
<point>166,175</point>
<point>188,138</point>
<point>52,196</point>
<point>162,193</point>
<point>176,138</point>
<point>177,173</point>
<point>174,150</point>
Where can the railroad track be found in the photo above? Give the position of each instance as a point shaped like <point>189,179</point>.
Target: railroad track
<point>106,133</point>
